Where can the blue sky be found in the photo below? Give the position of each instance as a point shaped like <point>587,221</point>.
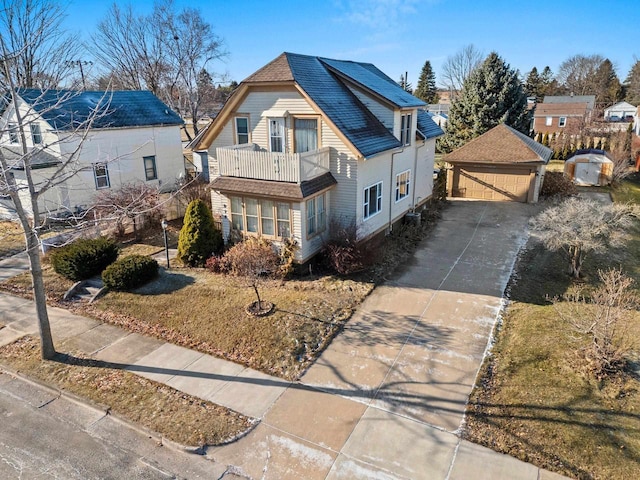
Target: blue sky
<point>399,35</point>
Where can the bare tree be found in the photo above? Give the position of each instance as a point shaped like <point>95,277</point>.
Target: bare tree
<point>132,202</point>
<point>577,74</point>
<point>577,227</point>
<point>41,51</point>
<point>166,52</point>
<point>602,316</point>
<point>254,259</point>
<point>26,193</point>
<point>457,67</point>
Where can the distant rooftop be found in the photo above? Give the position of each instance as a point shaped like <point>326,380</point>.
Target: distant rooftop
<point>590,100</point>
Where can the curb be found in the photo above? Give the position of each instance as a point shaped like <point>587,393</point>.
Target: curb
<point>105,411</point>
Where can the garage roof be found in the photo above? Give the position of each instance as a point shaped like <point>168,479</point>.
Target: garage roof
<point>501,145</point>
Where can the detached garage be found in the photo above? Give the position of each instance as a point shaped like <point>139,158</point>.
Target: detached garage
<point>502,164</point>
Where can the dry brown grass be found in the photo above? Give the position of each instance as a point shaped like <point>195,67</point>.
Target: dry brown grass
<point>206,311</point>
<point>535,401</point>
<point>162,409</point>
<point>11,239</point>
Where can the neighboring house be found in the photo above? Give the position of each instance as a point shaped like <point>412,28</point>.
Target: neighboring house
<point>563,113</point>
<point>441,119</point>
<point>501,164</point>
<point>308,143</point>
<point>589,167</point>
<point>620,112</point>
<point>136,138</point>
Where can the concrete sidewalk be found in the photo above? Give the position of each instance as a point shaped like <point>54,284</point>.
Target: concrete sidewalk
<point>14,265</point>
<point>386,399</point>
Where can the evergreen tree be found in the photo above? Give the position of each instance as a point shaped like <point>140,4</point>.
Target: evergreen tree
<point>199,238</point>
<point>632,85</point>
<point>545,139</point>
<point>608,88</point>
<point>532,85</point>
<point>426,89</point>
<point>406,86</point>
<point>590,145</point>
<point>599,145</point>
<point>491,95</point>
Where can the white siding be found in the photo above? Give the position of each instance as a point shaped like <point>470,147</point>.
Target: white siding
<point>424,172</point>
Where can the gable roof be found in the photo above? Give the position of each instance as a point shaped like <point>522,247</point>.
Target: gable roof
<point>501,145</point>
<point>67,109</point>
<point>561,109</point>
<point>621,106</point>
<point>324,82</point>
<point>590,100</point>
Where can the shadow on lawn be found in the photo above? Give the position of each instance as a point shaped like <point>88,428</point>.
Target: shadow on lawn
<point>166,282</point>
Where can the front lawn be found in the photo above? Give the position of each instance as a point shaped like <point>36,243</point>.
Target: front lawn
<point>533,402</point>
<point>11,239</point>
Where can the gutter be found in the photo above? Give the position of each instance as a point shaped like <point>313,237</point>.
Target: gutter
<point>391,191</point>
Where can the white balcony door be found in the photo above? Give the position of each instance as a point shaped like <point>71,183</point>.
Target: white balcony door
<point>276,135</point>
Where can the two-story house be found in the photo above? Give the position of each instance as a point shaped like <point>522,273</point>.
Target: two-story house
<point>307,142</point>
<point>89,141</point>
<point>563,113</point>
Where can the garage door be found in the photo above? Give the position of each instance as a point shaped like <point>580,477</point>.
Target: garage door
<point>487,183</point>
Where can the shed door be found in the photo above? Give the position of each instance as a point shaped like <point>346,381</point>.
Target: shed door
<point>587,173</point>
<point>492,183</point>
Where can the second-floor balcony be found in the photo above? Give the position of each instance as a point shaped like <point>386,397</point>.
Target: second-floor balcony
<point>248,161</point>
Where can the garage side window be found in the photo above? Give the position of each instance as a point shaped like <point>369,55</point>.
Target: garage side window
<point>372,200</point>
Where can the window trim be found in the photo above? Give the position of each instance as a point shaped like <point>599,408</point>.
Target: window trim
<point>407,183</point>
<point>96,177</point>
<point>406,124</point>
<point>146,169</point>
<point>281,121</point>
<point>259,218</point>
<point>562,122</point>
<point>366,198</point>
<point>236,139</point>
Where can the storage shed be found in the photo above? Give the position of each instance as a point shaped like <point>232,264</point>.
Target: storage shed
<point>589,167</point>
<point>501,164</point>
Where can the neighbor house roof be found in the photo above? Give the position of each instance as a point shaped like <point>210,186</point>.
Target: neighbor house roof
<point>620,106</point>
<point>590,100</point>
<point>36,158</point>
<point>561,109</point>
<point>501,144</point>
<point>67,109</point>
<point>324,81</point>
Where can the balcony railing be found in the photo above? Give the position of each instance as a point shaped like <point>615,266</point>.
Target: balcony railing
<point>247,161</point>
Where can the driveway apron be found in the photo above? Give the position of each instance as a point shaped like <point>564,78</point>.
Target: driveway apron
<point>387,398</point>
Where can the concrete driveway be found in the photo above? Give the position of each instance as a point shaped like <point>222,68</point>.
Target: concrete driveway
<point>387,398</point>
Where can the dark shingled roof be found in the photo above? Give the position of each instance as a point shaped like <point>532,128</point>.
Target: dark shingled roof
<point>67,109</point>
<point>427,126</point>
<point>501,144</point>
<point>368,75</point>
<point>37,158</point>
<point>343,108</point>
<point>268,188</point>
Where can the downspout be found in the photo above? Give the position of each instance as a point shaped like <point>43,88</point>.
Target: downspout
<point>391,190</point>
<point>415,175</point>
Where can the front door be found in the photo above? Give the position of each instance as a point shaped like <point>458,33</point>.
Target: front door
<point>276,135</point>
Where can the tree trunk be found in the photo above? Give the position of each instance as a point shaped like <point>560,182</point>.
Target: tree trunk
<point>47,348</point>
<point>576,262</point>
<point>255,287</point>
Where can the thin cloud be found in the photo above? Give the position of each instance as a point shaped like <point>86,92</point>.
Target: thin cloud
<point>376,14</point>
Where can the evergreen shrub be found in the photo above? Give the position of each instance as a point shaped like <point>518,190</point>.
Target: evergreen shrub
<point>130,272</point>
<point>84,258</point>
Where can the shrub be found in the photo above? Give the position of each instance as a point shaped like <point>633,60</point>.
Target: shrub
<point>84,258</point>
<point>130,272</point>
<point>199,238</point>
<point>556,184</point>
<point>217,264</point>
<point>344,254</point>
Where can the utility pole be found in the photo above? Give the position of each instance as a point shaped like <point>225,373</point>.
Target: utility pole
<point>80,63</point>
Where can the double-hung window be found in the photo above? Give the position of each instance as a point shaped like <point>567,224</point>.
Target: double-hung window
<point>562,121</point>
<point>548,121</point>
<point>403,181</point>
<point>150,171</point>
<point>101,175</point>
<point>276,135</point>
<point>242,130</point>
<point>405,129</point>
<point>36,134</point>
<point>316,215</point>
<point>306,134</point>
<point>372,200</point>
